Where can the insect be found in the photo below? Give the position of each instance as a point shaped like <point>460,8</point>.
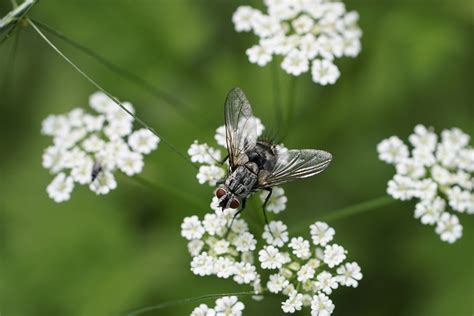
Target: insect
<point>96,169</point>
<point>257,164</point>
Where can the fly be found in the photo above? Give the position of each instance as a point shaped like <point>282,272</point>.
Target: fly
<point>257,164</point>
<point>96,170</point>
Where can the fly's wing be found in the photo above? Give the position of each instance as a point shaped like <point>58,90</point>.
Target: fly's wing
<point>240,127</point>
<point>295,164</point>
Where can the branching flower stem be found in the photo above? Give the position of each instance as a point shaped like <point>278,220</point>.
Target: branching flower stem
<point>345,212</point>
<point>184,301</point>
<point>95,84</point>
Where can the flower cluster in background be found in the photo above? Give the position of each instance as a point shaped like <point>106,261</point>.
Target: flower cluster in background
<point>212,169</point>
<point>101,143</point>
<point>225,306</point>
<point>305,271</point>
<point>308,34</point>
<point>437,172</point>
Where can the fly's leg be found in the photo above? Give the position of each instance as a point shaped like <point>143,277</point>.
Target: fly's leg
<point>233,218</point>
<point>224,160</point>
<point>270,191</point>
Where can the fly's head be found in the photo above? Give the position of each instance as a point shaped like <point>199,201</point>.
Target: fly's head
<point>226,198</point>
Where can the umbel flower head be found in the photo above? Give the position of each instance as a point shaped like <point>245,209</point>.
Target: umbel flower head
<point>304,271</point>
<point>308,34</point>
<point>212,169</point>
<point>437,172</point>
<point>100,143</point>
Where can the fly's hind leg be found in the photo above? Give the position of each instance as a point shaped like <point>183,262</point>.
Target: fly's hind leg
<point>270,191</point>
<point>234,217</point>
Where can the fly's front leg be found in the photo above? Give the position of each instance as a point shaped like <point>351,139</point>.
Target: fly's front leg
<point>244,201</point>
<point>270,191</point>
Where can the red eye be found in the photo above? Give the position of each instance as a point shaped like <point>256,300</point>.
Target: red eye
<point>220,193</point>
<point>234,203</point>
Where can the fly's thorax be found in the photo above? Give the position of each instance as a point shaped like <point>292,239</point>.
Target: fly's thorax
<point>242,180</point>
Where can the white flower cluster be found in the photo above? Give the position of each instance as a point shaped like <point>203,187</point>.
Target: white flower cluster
<point>85,143</point>
<point>225,306</point>
<point>437,172</point>
<point>302,32</point>
<point>303,271</point>
<point>213,170</point>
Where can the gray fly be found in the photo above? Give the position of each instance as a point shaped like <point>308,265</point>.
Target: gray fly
<point>96,169</point>
<point>257,164</point>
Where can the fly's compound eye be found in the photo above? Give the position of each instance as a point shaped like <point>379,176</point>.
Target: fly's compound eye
<point>220,193</point>
<point>234,203</point>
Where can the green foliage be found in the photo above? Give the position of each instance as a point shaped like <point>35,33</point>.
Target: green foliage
<point>105,255</point>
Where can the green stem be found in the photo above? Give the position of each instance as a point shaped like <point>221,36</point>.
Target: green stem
<point>185,110</point>
<point>184,301</point>
<point>112,97</point>
<point>290,109</point>
<point>171,190</point>
<point>349,211</point>
<point>276,89</point>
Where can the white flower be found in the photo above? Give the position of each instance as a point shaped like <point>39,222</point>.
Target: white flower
<point>203,310</point>
<point>244,273</point>
<point>82,172</point>
<point>60,188</point>
<point>455,138</point>
<point>423,138</point>
<point>245,242</point>
<point>302,24</point>
<point>93,144</point>
<point>143,141</point>
<point>104,183</point>
<point>295,63</point>
<point>402,188</point>
<point>130,163</point>
<point>412,168</point>
<point>277,283</point>
<point>334,255</point>
<point>195,246</point>
<point>202,153</point>
<point>55,125</point>
<point>229,306</point>
<point>191,228</point>
<point>54,158</point>
<point>321,305</point>
<point>321,233</point>
<point>221,246</point>
<point>324,72</point>
<point>202,264</point>
<point>349,274</point>
<point>305,273</point>
<point>392,150</point>
<point>326,282</point>
<point>210,174</point>
<point>259,54</point>
<point>276,233</point>
<point>223,267</point>
<point>448,228</point>
<point>271,258</point>
<point>458,199</point>
<point>293,303</point>
<point>243,17</point>
<point>430,210</point>
<point>300,247</point>
<point>214,224</point>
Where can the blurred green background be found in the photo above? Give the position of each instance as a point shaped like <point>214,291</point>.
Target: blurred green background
<point>104,255</point>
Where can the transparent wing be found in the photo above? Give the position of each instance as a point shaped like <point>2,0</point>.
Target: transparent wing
<point>296,164</point>
<point>240,127</point>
